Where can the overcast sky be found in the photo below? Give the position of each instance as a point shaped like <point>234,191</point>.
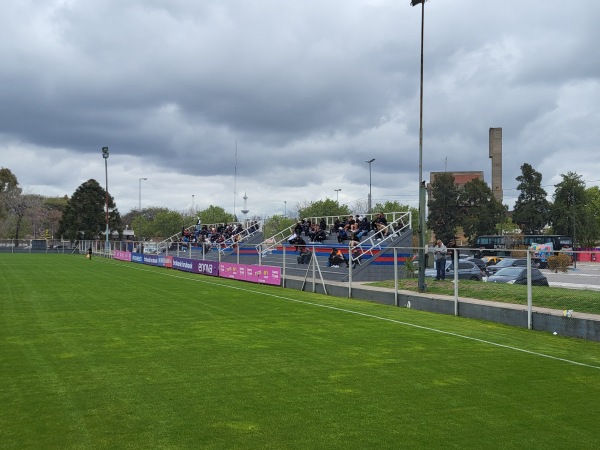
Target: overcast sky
<point>305,90</point>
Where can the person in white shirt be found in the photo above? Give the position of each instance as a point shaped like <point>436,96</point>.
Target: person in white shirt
<point>439,254</point>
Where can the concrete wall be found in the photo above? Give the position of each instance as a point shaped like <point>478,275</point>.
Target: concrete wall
<point>515,315</point>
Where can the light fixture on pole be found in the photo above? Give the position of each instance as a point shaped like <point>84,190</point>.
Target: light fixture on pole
<point>369,163</point>
<point>140,191</point>
<point>193,210</point>
<point>105,156</point>
<point>284,208</point>
<point>422,188</point>
<point>337,195</point>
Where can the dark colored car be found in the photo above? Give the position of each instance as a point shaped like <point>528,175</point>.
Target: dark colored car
<point>467,270</point>
<point>508,262</point>
<point>518,275</point>
<point>479,262</point>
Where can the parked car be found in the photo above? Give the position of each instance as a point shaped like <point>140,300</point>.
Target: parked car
<point>467,270</point>
<point>480,263</point>
<point>509,262</point>
<point>491,260</point>
<point>518,275</point>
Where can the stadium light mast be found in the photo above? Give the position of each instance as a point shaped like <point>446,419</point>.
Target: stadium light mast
<point>421,231</point>
<point>337,195</point>
<point>105,156</point>
<point>140,191</point>
<point>369,162</point>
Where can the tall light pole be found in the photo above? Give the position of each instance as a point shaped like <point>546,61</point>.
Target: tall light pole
<point>285,208</point>
<point>369,162</point>
<point>337,195</point>
<point>140,191</point>
<point>192,203</point>
<point>105,156</point>
<point>422,188</point>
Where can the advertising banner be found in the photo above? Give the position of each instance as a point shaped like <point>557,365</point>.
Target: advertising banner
<point>264,274</point>
<point>151,260</point>
<point>137,258</point>
<point>196,266</point>
<point>252,273</point>
<point>122,256</point>
<point>183,264</point>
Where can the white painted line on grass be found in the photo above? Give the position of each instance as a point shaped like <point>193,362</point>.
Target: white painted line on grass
<point>421,327</point>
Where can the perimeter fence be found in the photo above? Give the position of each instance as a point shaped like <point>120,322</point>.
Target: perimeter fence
<point>565,284</point>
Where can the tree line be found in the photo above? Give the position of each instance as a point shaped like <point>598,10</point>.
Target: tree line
<point>574,209</point>
<point>470,209</point>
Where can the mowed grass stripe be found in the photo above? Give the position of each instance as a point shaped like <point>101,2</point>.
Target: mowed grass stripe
<point>96,354</point>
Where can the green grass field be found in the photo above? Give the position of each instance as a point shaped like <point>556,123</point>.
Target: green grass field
<point>103,354</point>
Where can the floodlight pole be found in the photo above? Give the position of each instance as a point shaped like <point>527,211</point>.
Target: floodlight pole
<point>369,162</point>
<point>105,156</point>
<point>337,195</point>
<point>140,203</point>
<point>422,188</point>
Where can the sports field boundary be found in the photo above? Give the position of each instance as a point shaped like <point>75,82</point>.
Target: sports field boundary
<point>579,325</point>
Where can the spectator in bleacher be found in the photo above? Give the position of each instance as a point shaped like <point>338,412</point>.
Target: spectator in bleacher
<point>298,242</point>
<point>320,236</point>
<point>349,224</point>
<point>323,224</point>
<point>336,225</point>
<point>381,225</point>
<point>342,235</point>
<point>337,257</point>
<point>304,256</point>
<point>356,257</point>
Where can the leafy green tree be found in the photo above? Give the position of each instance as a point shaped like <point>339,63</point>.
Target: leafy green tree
<point>85,215</point>
<point>214,215</point>
<point>7,179</point>
<point>532,209</point>
<point>277,223</point>
<point>8,182</point>
<point>480,210</point>
<point>322,208</point>
<point>566,212</point>
<point>16,205</point>
<point>589,233</point>
<point>394,206</point>
<point>159,223</point>
<point>444,212</point>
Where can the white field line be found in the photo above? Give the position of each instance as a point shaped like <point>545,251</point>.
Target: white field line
<point>349,311</point>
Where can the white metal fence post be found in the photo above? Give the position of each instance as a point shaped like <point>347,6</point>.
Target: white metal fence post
<point>529,297</point>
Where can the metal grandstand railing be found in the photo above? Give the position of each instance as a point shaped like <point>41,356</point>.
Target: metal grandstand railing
<point>243,235</point>
<point>248,231</point>
<point>165,245</point>
<point>373,243</point>
<point>271,243</point>
<point>400,221</point>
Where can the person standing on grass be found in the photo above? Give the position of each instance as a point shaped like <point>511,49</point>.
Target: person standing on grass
<point>90,253</point>
<point>439,254</point>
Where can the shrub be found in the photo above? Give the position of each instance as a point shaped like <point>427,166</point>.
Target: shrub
<point>409,267</point>
<point>558,262</point>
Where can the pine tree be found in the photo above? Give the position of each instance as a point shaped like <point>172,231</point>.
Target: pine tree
<point>532,209</point>
<point>444,212</point>
<point>85,213</point>
<point>481,212</point>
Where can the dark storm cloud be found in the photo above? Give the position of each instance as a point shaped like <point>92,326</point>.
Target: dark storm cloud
<point>308,90</point>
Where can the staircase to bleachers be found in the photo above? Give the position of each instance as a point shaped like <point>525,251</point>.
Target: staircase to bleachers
<point>375,262</point>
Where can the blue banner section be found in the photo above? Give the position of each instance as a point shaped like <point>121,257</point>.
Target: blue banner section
<point>151,260</point>
<point>137,258</point>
